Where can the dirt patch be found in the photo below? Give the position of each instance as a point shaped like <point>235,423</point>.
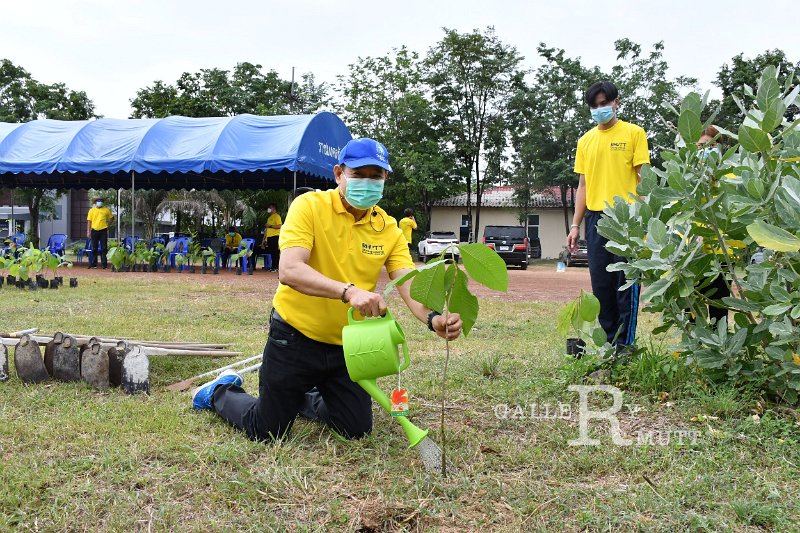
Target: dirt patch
<point>540,282</point>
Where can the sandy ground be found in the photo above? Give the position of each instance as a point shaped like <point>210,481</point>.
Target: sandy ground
<point>540,282</point>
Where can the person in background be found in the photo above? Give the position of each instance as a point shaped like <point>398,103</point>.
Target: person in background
<point>232,241</point>
<point>271,236</point>
<point>609,159</point>
<point>407,225</point>
<point>97,221</point>
<point>716,288</point>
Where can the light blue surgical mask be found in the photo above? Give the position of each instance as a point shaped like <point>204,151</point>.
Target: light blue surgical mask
<point>363,193</point>
<point>705,152</point>
<point>98,204</point>
<point>231,233</point>
<point>602,115</point>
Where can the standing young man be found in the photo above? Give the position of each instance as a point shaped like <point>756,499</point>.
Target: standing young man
<point>334,245</point>
<point>97,221</point>
<point>407,225</point>
<point>609,160</point>
<point>271,236</point>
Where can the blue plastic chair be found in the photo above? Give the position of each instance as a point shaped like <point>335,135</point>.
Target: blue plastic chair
<point>250,243</point>
<point>56,244</point>
<point>87,251</point>
<point>130,242</point>
<point>181,248</point>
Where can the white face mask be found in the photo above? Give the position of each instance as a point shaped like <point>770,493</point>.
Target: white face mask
<point>269,211</point>
<point>99,204</point>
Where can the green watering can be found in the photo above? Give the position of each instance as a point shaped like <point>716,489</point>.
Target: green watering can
<point>370,352</point>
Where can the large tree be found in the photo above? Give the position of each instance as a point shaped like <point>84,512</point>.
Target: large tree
<point>22,99</point>
<point>385,98</point>
<point>547,117</point>
<point>471,76</point>
<point>216,92</point>
<point>741,73</point>
<point>646,90</point>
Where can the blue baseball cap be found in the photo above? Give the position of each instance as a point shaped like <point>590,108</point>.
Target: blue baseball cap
<point>363,152</point>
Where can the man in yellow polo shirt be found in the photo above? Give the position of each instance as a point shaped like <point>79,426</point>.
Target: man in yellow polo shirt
<point>97,221</point>
<point>407,224</point>
<point>271,235</point>
<point>334,245</point>
<point>609,160</point>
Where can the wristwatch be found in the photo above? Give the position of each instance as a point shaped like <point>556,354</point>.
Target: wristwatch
<point>431,316</point>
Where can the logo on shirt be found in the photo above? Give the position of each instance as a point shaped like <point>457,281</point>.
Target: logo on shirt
<point>619,147</point>
<point>372,249</point>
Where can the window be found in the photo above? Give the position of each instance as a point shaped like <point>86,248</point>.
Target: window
<point>465,221</point>
<point>533,227</point>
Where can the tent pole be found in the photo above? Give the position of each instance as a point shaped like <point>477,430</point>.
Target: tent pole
<point>12,227</point>
<point>294,187</point>
<point>133,209</point>
<point>119,209</point>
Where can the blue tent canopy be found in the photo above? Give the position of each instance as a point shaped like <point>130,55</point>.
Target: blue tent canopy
<point>241,152</point>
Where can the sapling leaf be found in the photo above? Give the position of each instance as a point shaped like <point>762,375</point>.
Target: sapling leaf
<point>485,266</point>
<point>401,280</point>
<point>428,287</point>
<point>589,306</point>
<point>565,317</point>
<point>464,302</point>
<point>753,139</point>
<point>599,336</point>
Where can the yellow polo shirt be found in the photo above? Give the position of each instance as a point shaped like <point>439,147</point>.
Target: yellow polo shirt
<point>233,241</point>
<point>607,158</point>
<point>273,220</point>
<point>341,248</point>
<point>406,225</point>
<point>99,216</point>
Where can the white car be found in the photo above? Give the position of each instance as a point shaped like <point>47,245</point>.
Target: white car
<point>435,242</point>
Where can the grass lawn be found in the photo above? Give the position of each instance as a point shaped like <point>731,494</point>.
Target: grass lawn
<point>74,459</point>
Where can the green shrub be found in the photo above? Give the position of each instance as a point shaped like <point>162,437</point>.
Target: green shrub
<point>679,233</point>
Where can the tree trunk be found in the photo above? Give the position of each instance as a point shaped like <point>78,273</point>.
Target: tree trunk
<point>178,218</point>
<point>34,200</point>
<point>565,207</point>
<point>478,196</point>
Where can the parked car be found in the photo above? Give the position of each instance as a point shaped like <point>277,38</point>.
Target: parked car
<point>579,257</point>
<point>510,243</point>
<point>435,242</point>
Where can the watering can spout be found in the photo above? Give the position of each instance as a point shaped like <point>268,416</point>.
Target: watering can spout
<point>414,434</point>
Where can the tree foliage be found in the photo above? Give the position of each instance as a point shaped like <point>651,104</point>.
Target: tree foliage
<point>216,92</point>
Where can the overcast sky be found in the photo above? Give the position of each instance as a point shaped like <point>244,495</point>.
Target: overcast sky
<point>111,48</point>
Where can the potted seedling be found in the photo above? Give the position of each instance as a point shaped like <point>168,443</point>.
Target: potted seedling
<point>443,285</point>
<point>117,256</point>
<point>206,255</point>
<point>54,262</point>
<point>180,261</point>
<point>5,264</point>
<point>580,318</point>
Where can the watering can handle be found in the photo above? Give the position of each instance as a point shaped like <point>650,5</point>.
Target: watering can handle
<point>406,359</point>
<point>351,319</point>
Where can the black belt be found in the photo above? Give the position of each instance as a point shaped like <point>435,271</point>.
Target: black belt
<point>278,318</point>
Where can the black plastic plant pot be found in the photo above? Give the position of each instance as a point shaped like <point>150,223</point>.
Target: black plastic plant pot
<point>2,280</point>
<point>575,347</point>
<point>19,284</point>
<point>215,271</point>
<point>53,283</point>
<point>73,283</point>
<point>192,270</point>
<point>238,271</point>
<point>204,269</point>
<point>32,285</point>
<point>60,279</point>
<point>11,280</point>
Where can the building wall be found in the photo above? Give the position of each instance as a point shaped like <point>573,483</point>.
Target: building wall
<point>551,224</point>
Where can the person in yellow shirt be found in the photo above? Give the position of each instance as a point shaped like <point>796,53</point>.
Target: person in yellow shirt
<point>608,159</point>
<point>232,241</point>
<point>271,236</point>
<point>97,221</point>
<point>334,245</point>
<point>407,224</point>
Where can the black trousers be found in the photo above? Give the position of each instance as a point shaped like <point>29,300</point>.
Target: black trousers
<point>298,376</point>
<point>716,290</point>
<point>274,250</point>
<point>99,247</point>
<point>619,310</point>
